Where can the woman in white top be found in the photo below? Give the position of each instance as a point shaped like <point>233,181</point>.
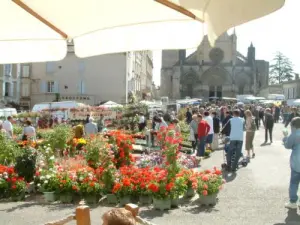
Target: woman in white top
<point>28,131</point>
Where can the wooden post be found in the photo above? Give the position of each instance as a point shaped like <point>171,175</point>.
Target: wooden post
<point>83,215</point>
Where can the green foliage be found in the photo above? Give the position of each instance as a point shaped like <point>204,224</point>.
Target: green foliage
<point>281,69</point>
<point>25,164</point>
<point>59,136</point>
<point>93,151</point>
<point>129,119</point>
<point>9,150</point>
<point>17,130</point>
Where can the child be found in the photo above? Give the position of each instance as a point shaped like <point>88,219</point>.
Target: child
<point>293,142</point>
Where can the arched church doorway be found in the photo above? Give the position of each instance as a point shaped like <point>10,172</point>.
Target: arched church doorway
<point>215,91</point>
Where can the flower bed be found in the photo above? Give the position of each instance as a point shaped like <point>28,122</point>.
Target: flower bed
<point>65,167</point>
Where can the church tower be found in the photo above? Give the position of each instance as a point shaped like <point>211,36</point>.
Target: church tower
<point>251,54</point>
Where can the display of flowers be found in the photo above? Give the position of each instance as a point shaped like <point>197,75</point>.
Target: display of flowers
<point>88,183</point>
<point>151,160</point>
<point>190,178</point>
<point>11,184</point>
<point>67,183</point>
<point>187,161</point>
<point>47,180</point>
<point>210,182</point>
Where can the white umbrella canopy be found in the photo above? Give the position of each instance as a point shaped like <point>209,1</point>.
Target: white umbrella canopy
<point>221,15</point>
<point>95,26</point>
<point>38,30</point>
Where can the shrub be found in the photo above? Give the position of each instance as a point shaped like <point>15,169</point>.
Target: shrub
<point>9,150</point>
<point>25,164</point>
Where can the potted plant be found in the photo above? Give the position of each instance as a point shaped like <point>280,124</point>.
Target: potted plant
<point>179,188</point>
<point>67,187</point>
<point>89,187</point>
<point>49,187</point>
<point>190,180</point>
<point>17,189</point>
<point>123,189</point>
<point>161,187</point>
<point>209,185</point>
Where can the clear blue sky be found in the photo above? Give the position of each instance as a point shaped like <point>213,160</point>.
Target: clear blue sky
<point>278,31</point>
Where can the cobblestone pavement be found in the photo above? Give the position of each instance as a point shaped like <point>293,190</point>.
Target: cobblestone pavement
<point>255,196</point>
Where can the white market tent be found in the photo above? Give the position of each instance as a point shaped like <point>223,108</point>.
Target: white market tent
<point>40,30</point>
<point>111,104</point>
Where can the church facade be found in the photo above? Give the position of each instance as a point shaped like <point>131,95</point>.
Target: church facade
<point>219,71</point>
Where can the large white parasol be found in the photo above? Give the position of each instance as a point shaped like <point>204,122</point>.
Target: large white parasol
<point>39,30</point>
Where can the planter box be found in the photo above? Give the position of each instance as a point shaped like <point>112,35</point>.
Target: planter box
<point>145,199</point>
<point>175,202</point>
<point>190,193</point>
<point>91,199</point>
<point>111,199</point>
<point>208,200</point>
<point>125,200</point>
<point>66,198</point>
<point>162,204</point>
<point>50,196</point>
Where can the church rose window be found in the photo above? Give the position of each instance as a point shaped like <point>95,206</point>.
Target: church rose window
<point>216,55</point>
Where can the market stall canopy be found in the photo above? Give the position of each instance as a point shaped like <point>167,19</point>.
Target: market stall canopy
<point>39,30</point>
<point>111,104</point>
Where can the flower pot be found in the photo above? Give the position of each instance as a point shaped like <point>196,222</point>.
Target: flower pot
<point>145,199</point>
<point>66,198</point>
<point>19,197</point>
<point>175,202</point>
<point>209,199</point>
<point>190,193</point>
<point>111,199</point>
<point>125,200</point>
<point>91,198</point>
<point>162,204</point>
<point>49,196</point>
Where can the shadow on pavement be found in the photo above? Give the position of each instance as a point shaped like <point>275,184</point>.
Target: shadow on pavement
<point>151,213</point>
<point>293,218</point>
<point>195,207</point>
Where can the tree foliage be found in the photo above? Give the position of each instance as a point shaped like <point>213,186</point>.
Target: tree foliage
<point>281,69</point>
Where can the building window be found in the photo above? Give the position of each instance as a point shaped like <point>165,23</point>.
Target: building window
<point>7,89</point>
<point>25,71</point>
<point>25,90</point>
<point>50,87</point>
<point>7,69</point>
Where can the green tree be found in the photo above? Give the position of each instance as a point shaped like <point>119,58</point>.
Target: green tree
<point>281,69</point>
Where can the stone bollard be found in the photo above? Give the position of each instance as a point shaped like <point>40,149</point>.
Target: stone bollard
<point>83,214</point>
<point>134,209</point>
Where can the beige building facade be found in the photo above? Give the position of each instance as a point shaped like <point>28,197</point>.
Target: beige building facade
<point>10,79</point>
<point>88,80</point>
<point>209,72</point>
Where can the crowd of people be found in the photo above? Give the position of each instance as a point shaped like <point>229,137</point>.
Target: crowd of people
<point>205,131</point>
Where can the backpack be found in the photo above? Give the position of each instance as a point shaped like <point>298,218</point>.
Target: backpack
<point>253,125</point>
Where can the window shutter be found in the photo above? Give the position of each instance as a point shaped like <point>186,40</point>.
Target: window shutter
<point>43,86</point>
<point>56,87</point>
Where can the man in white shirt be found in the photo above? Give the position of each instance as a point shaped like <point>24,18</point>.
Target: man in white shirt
<point>210,136</point>
<point>8,127</point>
<point>91,127</point>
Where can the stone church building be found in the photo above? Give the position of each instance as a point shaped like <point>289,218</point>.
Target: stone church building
<point>219,71</point>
